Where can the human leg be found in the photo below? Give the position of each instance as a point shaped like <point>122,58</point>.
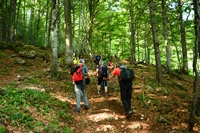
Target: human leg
<point>84,95</point>
<point>105,88</point>
<point>78,96</point>
<point>99,85</point>
<point>129,95</point>
<point>123,92</point>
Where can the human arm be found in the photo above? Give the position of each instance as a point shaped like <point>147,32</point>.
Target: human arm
<point>113,73</point>
<point>110,77</point>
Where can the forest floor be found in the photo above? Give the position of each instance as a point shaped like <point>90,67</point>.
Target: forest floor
<point>156,108</point>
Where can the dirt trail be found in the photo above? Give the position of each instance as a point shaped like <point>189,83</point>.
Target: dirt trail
<point>105,114</point>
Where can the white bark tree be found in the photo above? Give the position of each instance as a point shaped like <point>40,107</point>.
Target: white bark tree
<point>54,67</point>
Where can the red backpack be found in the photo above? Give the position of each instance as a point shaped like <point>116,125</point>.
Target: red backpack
<point>77,75</point>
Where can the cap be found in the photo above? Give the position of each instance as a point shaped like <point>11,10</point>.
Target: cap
<point>82,61</point>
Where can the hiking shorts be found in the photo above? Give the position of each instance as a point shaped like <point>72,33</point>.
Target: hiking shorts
<point>100,80</point>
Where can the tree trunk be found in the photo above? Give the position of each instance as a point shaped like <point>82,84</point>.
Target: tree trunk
<point>37,25</point>
<point>30,39</point>
<point>91,22</point>
<point>132,38</point>
<point>17,17</point>
<point>159,71</point>
<point>167,46</point>
<point>54,67</point>
<point>177,52</point>
<point>5,24</point>
<point>68,33</point>
<point>47,25</point>
<point>58,25</point>
<point>1,24</point>
<point>73,30</point>
<point>108,44</point>
<point>12,19</point>
<point>195,90</point>
<point>183,40</point>
<point>24,23</point>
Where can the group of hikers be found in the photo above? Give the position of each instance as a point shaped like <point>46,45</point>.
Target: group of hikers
<point>103,68</point>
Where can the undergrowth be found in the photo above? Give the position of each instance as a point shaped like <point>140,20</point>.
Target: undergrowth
<point>16,107</point>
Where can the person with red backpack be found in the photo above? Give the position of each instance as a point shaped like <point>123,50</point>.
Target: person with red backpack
<point>102,74</point>
<point>78,78</point>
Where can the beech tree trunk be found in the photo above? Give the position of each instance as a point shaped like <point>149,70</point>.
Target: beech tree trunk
<point>91,22</point>
<point>68,33</point>
<point>195,70</point>
<point>159,71</point>
<point>1,24</point>
<point>30,39</point>
<point>183,40</point>
<point>54,67</point>
<point>167,46</point>
<point>37,25</point>
<point>132,37</point>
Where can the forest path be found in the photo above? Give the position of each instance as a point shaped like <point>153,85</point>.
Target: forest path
<point>105,114</point>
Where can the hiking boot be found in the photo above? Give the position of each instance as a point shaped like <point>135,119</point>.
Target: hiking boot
<point>76,111</point>
<point>128,115</point>
<point>106,94</point>
<point>87,108</point>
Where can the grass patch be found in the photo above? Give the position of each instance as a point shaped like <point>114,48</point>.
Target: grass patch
<point>16,108</point>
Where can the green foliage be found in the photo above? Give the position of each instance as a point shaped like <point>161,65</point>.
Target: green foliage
<point>183,95</point>
<point>67,130</point>
<point>1,54</point>
<point>17,104</point>
<point>3,129</point>
<point>13,84</point>
<point>33,81</point>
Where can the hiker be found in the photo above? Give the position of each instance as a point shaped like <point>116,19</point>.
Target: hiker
<point>97,59</point>
<point>110,66</point>
<point>109,63</point>
<point>80,89</point>
<point>105,62</point>
<point>125,91</point>
<point>101,73</point>
<point>81,58</point>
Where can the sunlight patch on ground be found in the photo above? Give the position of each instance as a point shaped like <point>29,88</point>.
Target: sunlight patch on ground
<point>60,97</point>
<point>103,116</point>
<point>31,87</point>
<point>101,99</point>
<point>105,128</point>
<point>138,126</point>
